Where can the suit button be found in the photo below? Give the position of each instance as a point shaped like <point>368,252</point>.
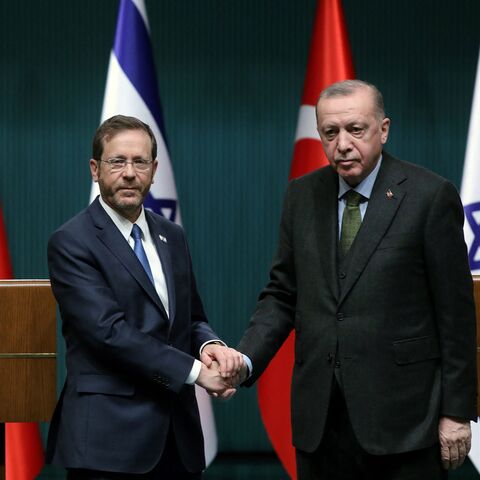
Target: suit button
<point>342,275</point>
<point>340,316</point>
<point>337,364</point>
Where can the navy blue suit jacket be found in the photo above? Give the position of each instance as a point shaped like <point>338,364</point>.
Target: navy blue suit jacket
<point>126,361</point>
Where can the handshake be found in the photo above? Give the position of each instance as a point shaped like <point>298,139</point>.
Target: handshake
<point>223,369</point>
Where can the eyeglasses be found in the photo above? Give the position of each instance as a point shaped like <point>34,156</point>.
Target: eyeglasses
<point>119,164</point>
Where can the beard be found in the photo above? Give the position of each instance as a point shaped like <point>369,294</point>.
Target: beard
<point>126,200</point>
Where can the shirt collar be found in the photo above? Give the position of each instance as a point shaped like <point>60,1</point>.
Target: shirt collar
<point>365,187</point>
<point>125,225</point>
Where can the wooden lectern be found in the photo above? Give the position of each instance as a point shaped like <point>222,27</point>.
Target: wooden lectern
<point>27,351</point>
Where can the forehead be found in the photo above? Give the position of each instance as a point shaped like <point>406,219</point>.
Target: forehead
<point>355,106</point>
<point>128,140</point>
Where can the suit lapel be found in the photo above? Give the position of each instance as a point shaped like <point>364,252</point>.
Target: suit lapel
<point>380,213</point>
<point>111,237</point>
<point>325,203</point>
<point>160,239</point>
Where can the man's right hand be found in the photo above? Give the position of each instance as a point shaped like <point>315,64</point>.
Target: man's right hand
<point>212,381</point>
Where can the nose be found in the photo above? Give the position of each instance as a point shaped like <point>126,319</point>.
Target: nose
<point>129,170</point>
<point>343,142</point>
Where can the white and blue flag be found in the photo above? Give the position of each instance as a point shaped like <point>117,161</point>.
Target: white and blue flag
<point>132,90</point>
<point>470,193</point>
<point>470,190</point>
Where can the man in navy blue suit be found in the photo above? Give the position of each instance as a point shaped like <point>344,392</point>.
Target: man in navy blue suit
<point>134,327</point>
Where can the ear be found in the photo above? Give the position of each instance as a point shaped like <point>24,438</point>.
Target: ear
<point>94,169</point>
<point>385,127</point>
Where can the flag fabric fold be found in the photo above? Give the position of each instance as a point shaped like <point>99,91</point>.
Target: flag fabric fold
<point>470,193</point>
<point>329,61</point>
<point>24,456</point>
<point>132,89</point>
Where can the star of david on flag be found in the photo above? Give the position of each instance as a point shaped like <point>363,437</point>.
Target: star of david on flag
<point>132,90</point>
<point>472,216</point>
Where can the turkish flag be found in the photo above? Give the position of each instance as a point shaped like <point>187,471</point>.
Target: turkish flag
<point>329,61</point>
<point>23,447</point>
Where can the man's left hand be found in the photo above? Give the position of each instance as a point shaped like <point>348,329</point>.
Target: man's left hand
<point>455,438</point>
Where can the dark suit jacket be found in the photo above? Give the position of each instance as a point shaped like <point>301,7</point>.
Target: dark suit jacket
<point>400,307</point>
<point>126,362</point>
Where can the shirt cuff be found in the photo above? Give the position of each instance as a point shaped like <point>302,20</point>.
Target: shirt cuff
<point>194,372</point>
<point>249,365</point>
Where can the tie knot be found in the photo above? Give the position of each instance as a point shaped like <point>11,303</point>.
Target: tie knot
<point>353,198</point>
<point>136,232</point>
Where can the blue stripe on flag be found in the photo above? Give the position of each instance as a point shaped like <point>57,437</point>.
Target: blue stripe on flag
<point>470,210</point>
<point>133,50</point>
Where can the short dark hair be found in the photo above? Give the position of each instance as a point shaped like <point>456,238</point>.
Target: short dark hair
<point>116,124</point>
<point>347,87</point>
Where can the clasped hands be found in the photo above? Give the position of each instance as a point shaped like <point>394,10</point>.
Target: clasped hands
<point>223,369</point>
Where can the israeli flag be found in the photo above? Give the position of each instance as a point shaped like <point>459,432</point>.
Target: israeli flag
<point>132,90</point>
<point>470,193</point>
<point>470,190</point>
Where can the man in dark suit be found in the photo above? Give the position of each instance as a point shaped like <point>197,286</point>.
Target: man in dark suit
<point>134,324</point>
<point>371,271</point>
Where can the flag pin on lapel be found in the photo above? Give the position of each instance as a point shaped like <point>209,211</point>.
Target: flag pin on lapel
<point>162,238</point>
<point>389,194</point>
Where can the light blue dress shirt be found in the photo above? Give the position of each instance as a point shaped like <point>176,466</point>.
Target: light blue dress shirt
<point>364,188</point>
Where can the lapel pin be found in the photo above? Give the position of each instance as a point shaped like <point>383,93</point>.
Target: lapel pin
<point>162,238</point>
<point>389,194</point>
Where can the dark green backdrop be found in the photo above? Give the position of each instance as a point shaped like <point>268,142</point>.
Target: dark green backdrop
<point>231,77</point>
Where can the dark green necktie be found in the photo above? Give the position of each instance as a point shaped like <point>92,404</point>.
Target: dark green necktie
<point>351,220</point>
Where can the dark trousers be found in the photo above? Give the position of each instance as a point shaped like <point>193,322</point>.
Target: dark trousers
<point>340,456</point>
<point>170,467</point>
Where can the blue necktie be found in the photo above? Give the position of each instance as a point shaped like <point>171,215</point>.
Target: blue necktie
<point>139,250</point>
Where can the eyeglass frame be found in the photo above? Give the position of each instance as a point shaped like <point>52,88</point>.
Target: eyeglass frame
<point>135,163</point>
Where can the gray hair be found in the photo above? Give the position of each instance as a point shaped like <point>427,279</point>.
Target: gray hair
<point>348,87</point>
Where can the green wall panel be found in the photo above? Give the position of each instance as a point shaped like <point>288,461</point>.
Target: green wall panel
<point>231,77</point>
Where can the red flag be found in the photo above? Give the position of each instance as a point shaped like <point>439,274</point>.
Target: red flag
<point>23,448</point>
<point>329,61</point>
<point>6,270</point>
<point>23,451</point>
